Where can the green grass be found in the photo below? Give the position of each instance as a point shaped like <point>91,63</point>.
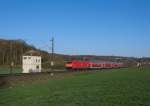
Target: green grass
<point>117,87</point>
<point>6,70</point>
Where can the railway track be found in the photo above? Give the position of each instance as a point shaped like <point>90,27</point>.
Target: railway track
<point>42,73</point>
<point>8,80</point>
<point>13,79</point>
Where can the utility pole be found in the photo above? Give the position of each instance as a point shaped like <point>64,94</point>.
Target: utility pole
<point>52,52</point>
<point>11,57</point>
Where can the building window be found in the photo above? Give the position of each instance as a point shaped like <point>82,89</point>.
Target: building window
<point>29,57</point>
<point>37,67</point>
<point>25,58</point>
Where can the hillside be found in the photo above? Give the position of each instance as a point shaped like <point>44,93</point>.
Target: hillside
<point>12,50</point>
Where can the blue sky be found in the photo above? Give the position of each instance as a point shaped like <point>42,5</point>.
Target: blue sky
<point>99,27</point>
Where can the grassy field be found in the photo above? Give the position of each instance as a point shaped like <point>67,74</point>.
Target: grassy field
<point>116,87</point>
<point>6,70</point>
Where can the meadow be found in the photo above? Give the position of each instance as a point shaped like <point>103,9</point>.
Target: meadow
<point>6,70</point>
<point>115,87</point>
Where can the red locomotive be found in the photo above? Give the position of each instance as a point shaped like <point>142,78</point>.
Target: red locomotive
<point>93,65</point>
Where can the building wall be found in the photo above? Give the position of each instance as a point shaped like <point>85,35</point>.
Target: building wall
<point>31,64</point>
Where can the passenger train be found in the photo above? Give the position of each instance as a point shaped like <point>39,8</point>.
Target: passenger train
<point>79,65</point>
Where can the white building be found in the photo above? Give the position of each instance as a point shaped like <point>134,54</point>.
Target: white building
<point>31,64</point>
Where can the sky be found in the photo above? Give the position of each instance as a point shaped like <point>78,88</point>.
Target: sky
<point>94,27</point>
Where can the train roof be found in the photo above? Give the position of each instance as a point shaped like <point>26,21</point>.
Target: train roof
<point>99,62</point>
<point>105,62</point>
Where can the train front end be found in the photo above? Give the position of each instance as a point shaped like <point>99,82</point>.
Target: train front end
<point>68,65</point>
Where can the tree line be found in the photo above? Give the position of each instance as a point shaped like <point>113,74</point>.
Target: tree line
<point>12,50</point>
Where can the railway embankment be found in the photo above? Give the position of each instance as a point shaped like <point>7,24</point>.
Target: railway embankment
<point>9,80</point>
